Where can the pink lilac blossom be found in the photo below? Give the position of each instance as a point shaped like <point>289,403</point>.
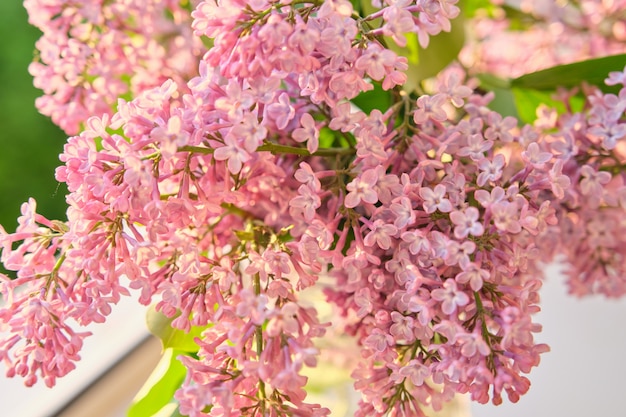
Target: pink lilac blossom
<point>561,33</point>
<point>215,196</point>
<point>94,52</point>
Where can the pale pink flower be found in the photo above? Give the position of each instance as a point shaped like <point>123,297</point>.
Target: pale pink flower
<point>476,147</point>
<point>234,101</point>
<point>308,133</point>
<point>491,170</point>
<point>610,133</point>
<point>454,89</point>
<point>466,223</point>
<point>376,61</point>
<point>458,253</point>
<point>362,189</point>
<point>535,157</point>
<point>277,263</point>
<point>234,152</point>
<point>378,341</point>
<point>210,18</point>
<point>450,296</point>
<point>344,119</point>
<point>430,107</point>
<point>405,215</point>
<point>306,175</point>
<point>336,7</point>
<point>423,306</point>
<point>506,217</point>
<point>499,128</point>
<point>558,182</point>
<point>371,149</point>
<point>472,344</point>
<point>487,199</point>
<point>285,322</point>
<point>380,234</point>
<point>417,241</point>
<point>337,36</point>
<point>363,300</point>
<point>274,32</point>
<point>398,22</point>
<point>592,183</point>
<point>306,202</point>
<point>304,37</point>
<point>397,76</point>
<point>616,77</point>
<point>253,307</point>
<point>348,84</point>
<point>282,111</point>
<point>416,372</point>
<point>250,132</point>
<point>402,327</point>
<point>434,199</point>
<point>473,274</point>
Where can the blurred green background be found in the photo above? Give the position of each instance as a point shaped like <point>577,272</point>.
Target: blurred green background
<point>29,142</point>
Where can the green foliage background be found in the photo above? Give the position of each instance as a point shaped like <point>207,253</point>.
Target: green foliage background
<point>29,142</point>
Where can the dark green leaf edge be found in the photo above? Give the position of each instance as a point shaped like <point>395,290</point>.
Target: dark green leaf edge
<point>592,71</point>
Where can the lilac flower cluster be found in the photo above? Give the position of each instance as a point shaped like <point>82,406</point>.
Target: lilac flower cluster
<point>223,199</point>
<point>93,52</point>
<point>562,32</point>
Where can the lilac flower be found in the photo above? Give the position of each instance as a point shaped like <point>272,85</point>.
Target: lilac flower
<point>474,275</point>
<point>434,199</point>
<point>591,184</point>
<point>307,201</point>
<point>307,133</point>
<point>491,169</point>
<point>535,157</point>
<point>450,297</point>
<point>466,223</point>
<point>506,217</point>
<point>380,234</point>
<point>234,153</point>
<point>376,61</point>
<point>428,235</point>
<point>362,189</point>
<point>403,211</point>
<point>281,111</point>
<point>476,147</point>
<point>430,107</point>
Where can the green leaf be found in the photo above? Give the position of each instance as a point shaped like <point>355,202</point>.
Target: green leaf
<point>517,19</point>
<point>527,102</point>
<point>327,137</point>
<point>522,103</point>
<point>591,71</point>
<point>373,99</point>
<point>356,5</point>
<point>207,42</point>
<point>471,7</point>
<point>169,410</point>
<point>154,398</point>
<point>504,100</point>
<point>161,326</point>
